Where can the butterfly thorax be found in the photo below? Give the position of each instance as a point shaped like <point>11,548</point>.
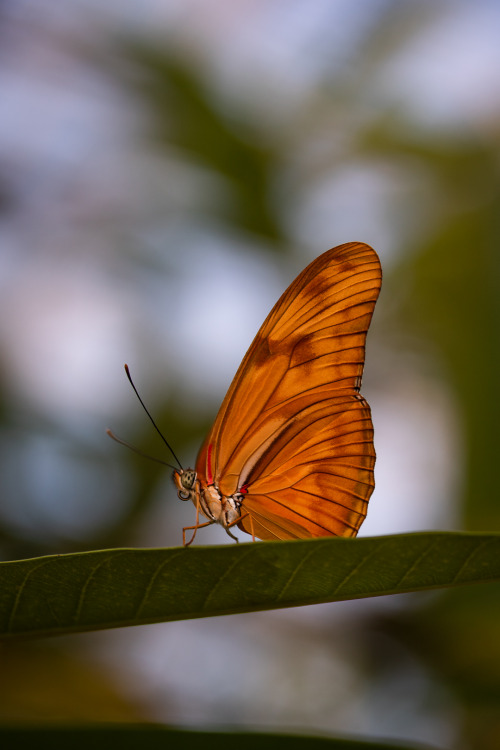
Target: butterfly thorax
<point>217,507</point>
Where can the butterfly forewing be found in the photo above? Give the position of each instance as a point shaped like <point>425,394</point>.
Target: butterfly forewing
<point>293,430</point>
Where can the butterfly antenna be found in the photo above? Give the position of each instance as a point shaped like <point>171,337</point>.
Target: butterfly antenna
<point>150,417</point>
<point>136,450</point>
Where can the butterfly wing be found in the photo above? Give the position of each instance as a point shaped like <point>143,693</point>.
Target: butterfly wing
<point>293,431</point>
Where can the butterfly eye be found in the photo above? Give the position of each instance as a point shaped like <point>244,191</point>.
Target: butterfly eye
<point>184,480</point>
<point>188,478</point>
<point>184,488</point>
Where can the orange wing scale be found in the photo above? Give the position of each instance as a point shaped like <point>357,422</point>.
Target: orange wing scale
<point>293,431</point>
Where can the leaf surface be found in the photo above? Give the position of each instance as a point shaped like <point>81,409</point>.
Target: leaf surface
<point>133,737</point>
<point>119,587</point>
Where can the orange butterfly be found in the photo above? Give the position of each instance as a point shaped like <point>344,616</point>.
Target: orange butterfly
<point>290,454</point>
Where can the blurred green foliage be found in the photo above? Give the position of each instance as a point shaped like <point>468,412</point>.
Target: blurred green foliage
<point>187,116</point>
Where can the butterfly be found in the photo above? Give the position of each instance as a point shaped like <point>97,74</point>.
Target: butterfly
<point>290,454</point>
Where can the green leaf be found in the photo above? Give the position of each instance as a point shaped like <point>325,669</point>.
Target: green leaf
<point>130,737</point>
<point>113,588</point>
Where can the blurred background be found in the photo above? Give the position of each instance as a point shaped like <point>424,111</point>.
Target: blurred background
<point>166,170</point>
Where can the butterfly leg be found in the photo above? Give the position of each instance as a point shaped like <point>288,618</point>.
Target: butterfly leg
<point>235,523</point>
<point>195,527</point>
<point>190,528</point>
<point>226,529</point>
<point>251,524</point>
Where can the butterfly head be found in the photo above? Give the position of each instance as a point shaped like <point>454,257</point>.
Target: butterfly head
<point>184,480</point>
